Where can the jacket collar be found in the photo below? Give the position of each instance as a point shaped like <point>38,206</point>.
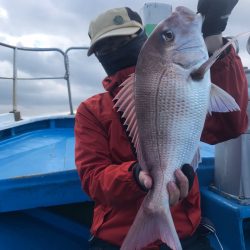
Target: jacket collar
<point>111,83</point>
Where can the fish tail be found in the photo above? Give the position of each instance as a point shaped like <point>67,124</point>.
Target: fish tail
<point>151,225</point>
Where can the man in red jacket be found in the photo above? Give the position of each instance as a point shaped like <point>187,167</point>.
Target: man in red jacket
<point>104,156</point>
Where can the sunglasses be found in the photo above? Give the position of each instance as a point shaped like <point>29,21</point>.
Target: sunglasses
<point>111,44</point>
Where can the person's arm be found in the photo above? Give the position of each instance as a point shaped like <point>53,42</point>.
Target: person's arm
<point>228,73</point>
<point>215,15</point>
<point>102,180</point>
<point>213,42</point>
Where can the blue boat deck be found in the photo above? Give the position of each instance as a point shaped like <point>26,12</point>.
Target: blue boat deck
<point>41,201</point>
<point>37,152</point>
<point>37,165</point>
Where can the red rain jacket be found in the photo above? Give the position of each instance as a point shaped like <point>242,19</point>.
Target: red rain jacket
<point>104,156</point>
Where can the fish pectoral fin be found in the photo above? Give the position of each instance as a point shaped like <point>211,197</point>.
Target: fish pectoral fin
<point>196,160</point>
<point>221,101</point>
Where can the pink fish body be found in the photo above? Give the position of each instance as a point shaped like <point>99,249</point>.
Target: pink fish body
<point>165,110</point>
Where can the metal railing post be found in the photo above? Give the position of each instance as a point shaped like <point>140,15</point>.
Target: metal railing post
<point>14,81</point>
<point>67,73</point>
<point>17,115</point>
<point>66,64</point>
<point>15,78</point>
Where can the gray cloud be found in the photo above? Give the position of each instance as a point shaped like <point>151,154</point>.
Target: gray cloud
<point>64,23</point>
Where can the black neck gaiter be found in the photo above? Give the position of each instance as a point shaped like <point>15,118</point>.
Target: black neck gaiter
<point>124,56</point>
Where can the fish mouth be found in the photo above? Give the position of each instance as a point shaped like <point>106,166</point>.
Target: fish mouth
<point>188,48</point>
<point>184,66</point>
<point>190,65</point>
<point>189,45</point>
<point>189,55</point>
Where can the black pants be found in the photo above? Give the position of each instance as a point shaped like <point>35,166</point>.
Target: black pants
<point>195,242</point>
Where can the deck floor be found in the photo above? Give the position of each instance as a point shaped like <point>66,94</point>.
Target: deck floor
<point>37,152</point>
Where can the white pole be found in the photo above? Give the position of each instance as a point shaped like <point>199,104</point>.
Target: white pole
<point>248,45</point>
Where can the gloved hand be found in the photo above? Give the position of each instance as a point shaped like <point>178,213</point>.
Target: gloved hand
<point>188,171</point>
<point>142,178</point>
<point>215,13</point>
<point>179,190</point>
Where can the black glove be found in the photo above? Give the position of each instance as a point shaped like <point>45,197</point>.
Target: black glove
<point>190,174</point>
<point>187,170</point>
<point>215,13</point>
<point>136,171</point>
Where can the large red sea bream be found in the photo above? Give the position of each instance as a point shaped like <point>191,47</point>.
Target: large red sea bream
<point>165,108</point>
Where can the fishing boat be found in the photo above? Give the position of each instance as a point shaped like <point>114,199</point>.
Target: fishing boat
<point>42,205</point>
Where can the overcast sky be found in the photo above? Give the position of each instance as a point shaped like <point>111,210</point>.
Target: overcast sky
<point>62,24</point>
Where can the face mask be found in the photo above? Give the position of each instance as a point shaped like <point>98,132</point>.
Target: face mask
<point>124,56</point>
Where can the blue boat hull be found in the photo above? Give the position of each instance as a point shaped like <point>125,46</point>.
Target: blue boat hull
<point>42,205</point>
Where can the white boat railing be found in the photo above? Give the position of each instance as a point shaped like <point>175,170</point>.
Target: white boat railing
<point>65,77</point>
<point>15,77</point>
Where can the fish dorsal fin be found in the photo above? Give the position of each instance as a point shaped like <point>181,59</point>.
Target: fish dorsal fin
<point>125,103</point>
<point>221,101</point>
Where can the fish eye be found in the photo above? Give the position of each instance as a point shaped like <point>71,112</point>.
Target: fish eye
<point>167,35</point>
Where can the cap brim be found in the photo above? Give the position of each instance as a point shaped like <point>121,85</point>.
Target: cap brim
<point>126,31</point>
